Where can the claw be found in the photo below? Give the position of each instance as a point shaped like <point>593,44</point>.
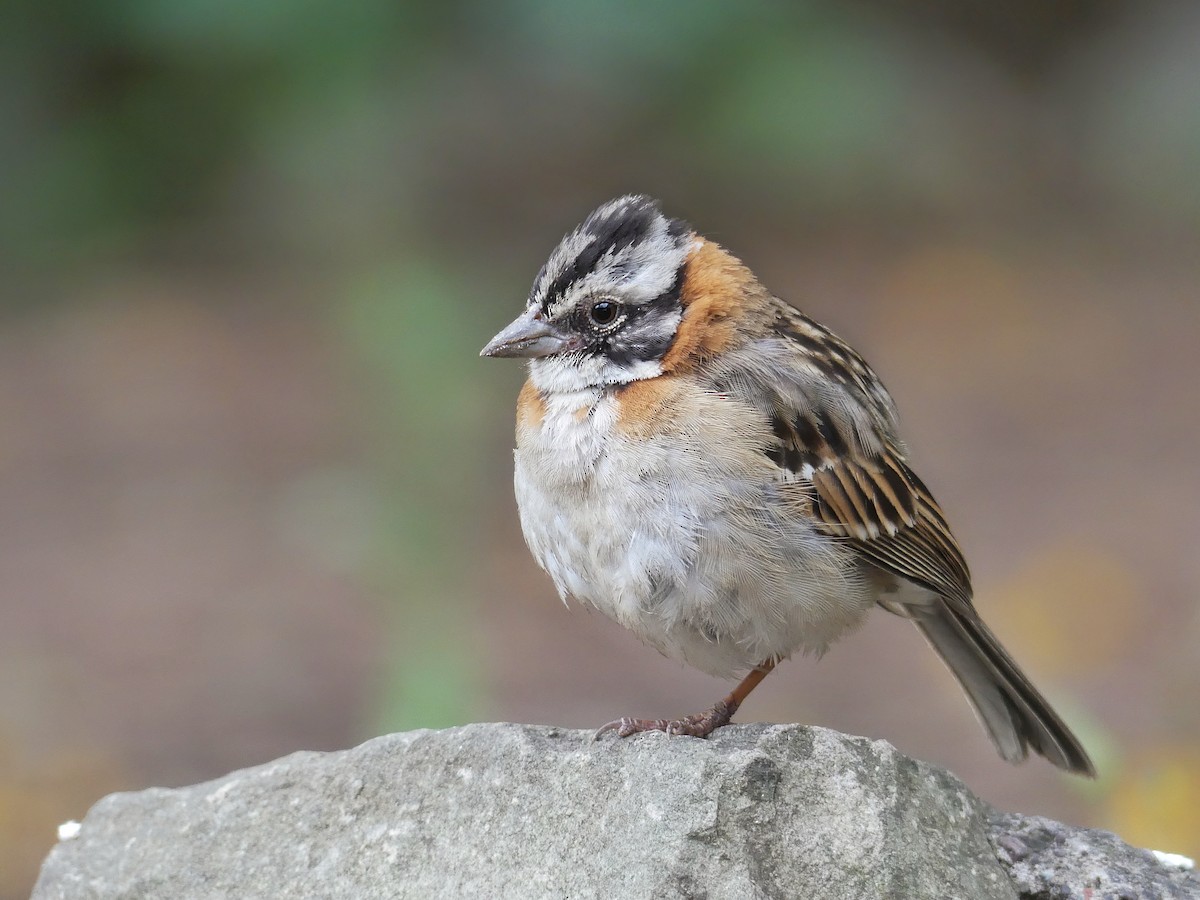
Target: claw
<point>700,725</point>
<point>605,729</point>
<point>614,725</point>
<point>627,725</point>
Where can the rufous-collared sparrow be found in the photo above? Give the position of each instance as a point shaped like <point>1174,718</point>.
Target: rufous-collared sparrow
<point>723,476</point>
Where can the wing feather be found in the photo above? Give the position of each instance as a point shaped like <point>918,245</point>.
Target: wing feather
<point>839,434</point>
<point>840,462</point>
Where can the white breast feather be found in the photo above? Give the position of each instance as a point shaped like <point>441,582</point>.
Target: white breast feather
<point>683,538</point>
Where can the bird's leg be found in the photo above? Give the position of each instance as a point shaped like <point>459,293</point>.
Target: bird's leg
<point>700,724</point>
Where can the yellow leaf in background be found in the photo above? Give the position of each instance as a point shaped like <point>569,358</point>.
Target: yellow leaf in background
<point>1155,801</point>
<point>36,796</point>
<point>1069,609</point>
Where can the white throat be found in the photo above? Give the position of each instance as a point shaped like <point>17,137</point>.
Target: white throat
<point>573,374</point>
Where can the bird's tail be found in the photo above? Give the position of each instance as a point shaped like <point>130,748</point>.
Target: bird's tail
<point>1017,718</point>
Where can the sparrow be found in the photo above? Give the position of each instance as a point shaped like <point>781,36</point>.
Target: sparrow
<point>724,476</point>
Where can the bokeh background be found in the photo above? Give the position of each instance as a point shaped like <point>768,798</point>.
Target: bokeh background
<point>255,484</point>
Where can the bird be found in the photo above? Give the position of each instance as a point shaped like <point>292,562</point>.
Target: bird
<point>723,475</point>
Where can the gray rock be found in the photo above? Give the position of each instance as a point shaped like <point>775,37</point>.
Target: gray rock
<point>1051,861</point>
<point>520,811</point>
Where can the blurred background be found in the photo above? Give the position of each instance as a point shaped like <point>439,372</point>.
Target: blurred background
<point>255,483</point>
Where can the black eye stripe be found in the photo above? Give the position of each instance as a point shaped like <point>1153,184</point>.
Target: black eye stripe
<point>642,333</point>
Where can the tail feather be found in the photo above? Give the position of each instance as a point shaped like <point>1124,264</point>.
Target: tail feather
<point>1016,716</point>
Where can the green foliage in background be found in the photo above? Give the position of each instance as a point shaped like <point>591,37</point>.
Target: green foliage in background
<point>316,127</point>
<point>406,321</point>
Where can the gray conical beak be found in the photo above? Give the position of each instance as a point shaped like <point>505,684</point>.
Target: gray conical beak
<point>529,336</point>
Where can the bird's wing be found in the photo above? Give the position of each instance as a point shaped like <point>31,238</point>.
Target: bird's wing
<point>833,426</point>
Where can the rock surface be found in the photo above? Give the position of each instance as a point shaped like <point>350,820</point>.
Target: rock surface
<point>497,811</point>
<point>1051,861</point>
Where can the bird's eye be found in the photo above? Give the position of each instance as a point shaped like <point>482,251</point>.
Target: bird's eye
<point>604,312</point>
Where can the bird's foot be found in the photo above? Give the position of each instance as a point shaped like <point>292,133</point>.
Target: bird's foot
<point>698,725</point>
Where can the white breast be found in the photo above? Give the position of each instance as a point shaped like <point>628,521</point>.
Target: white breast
<point>681,535</point>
